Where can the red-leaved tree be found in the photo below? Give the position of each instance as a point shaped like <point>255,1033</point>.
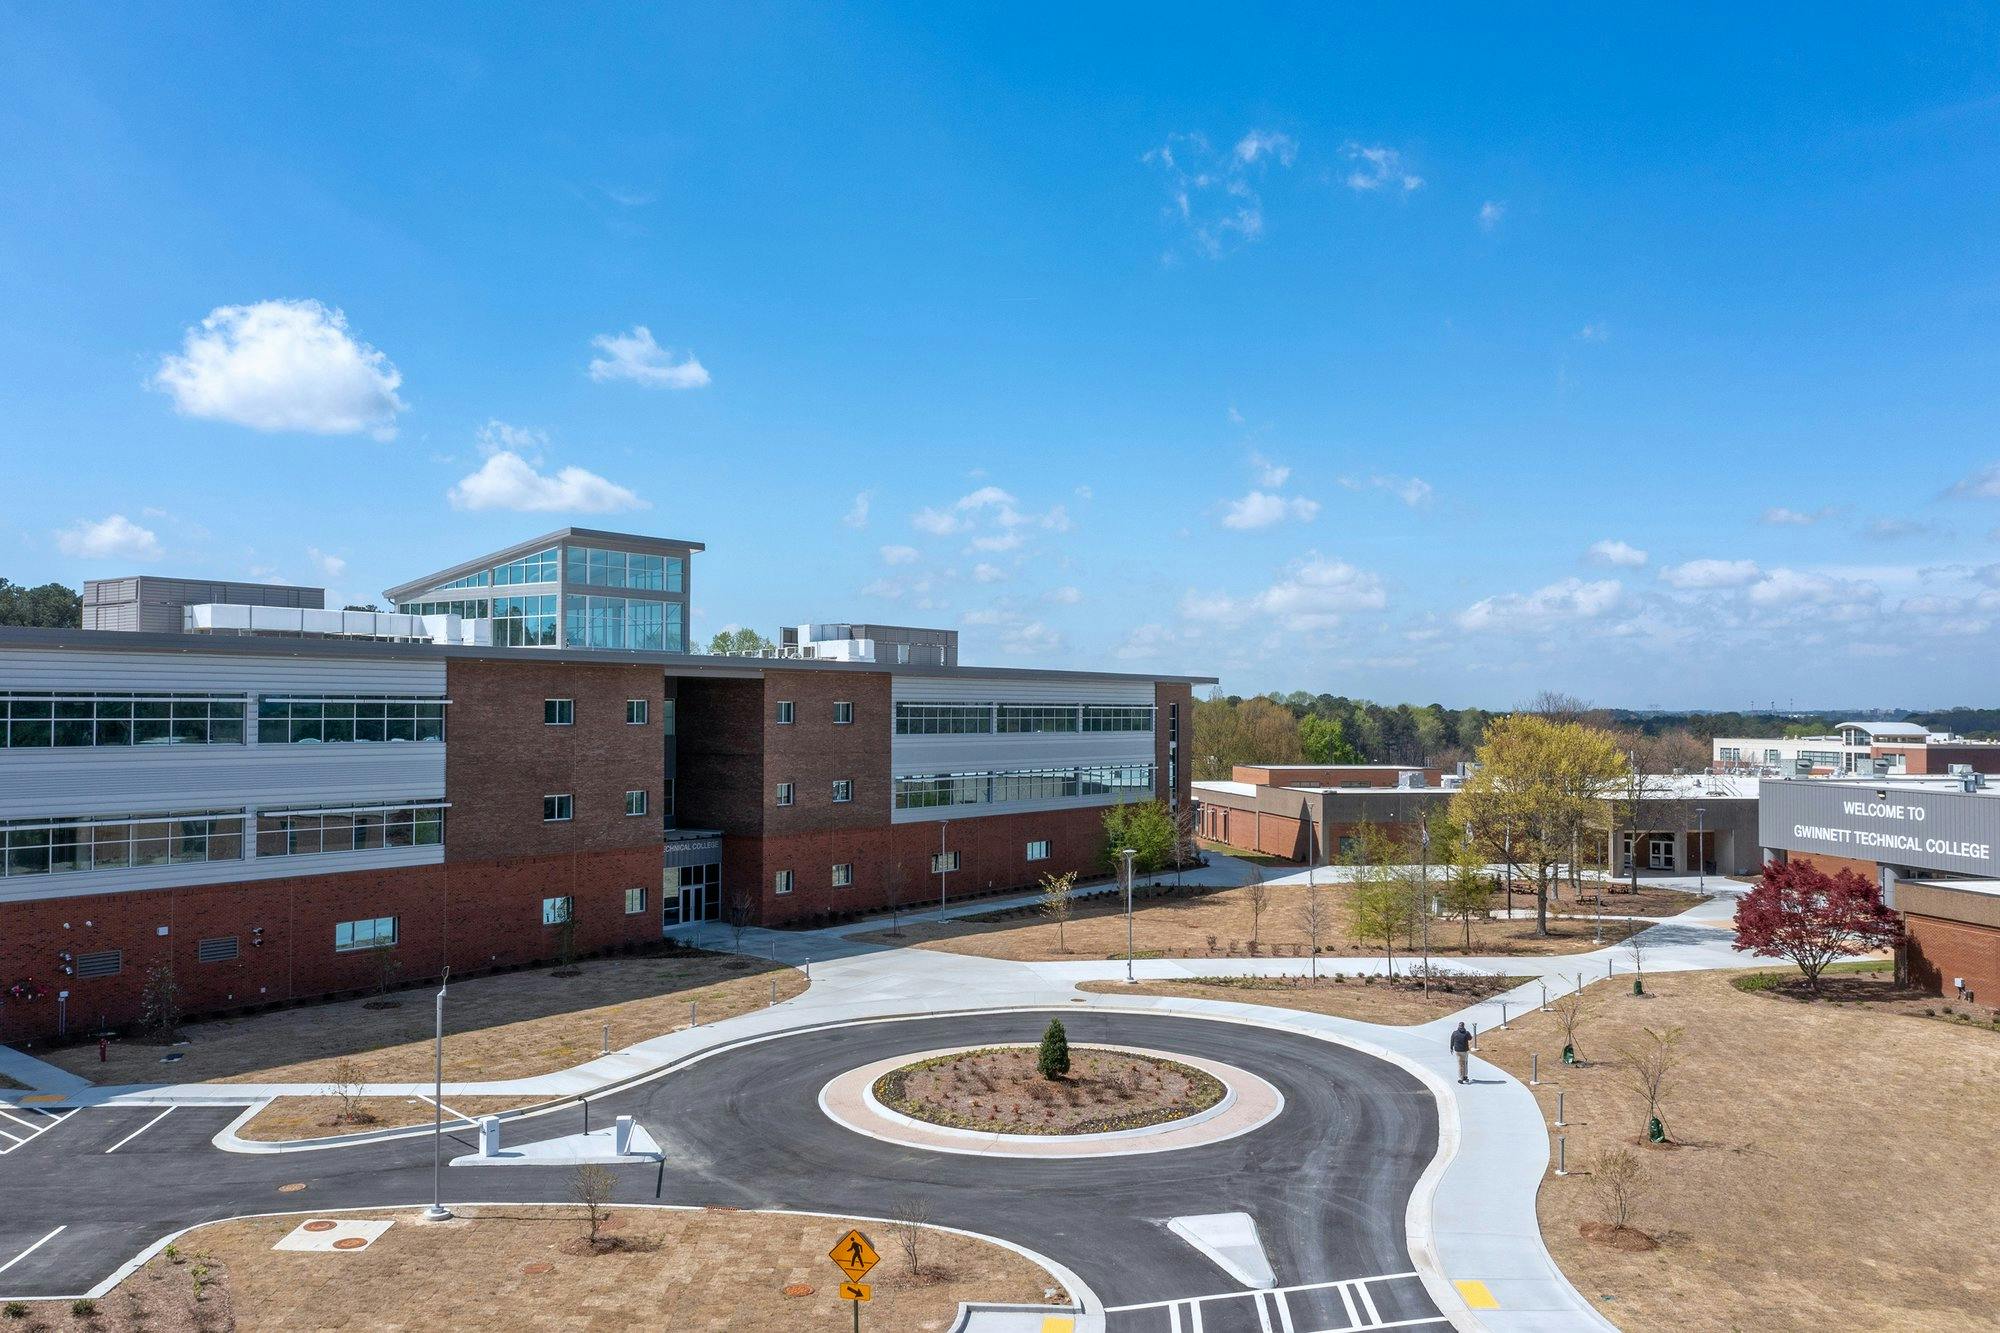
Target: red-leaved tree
<point>1800,912</point>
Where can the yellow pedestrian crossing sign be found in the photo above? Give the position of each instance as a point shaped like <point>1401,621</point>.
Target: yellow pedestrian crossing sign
<point>856,1291</point>
<point>854,1256</point>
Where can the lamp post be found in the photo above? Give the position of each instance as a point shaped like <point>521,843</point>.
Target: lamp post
<point>1125,854</point>
<point>1424,862</point>
<point>942,827</point>
<point>437,1212</point>
<point>1701,846</point>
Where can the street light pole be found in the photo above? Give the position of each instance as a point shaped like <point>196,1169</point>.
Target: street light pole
<point>1424,862</point>
<point>1701,846</point>
<point>1126,854</point>
<point>942,827</point>
<point>437,1212</point>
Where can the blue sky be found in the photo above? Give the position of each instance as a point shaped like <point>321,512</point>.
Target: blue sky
<point>1410,354</point>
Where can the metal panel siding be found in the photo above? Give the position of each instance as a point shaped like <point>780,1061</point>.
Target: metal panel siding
<point>194,670</point>
<point>986,689</point>
<point>17,888</point>
<point>1932,830</point>
<point>149,779</point>
<point>991,753</point>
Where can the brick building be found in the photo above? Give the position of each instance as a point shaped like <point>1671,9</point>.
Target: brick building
<point>1311,811</point>
<point>285,817</point>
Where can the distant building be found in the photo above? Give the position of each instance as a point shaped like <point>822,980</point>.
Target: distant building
<point>1864,748</point>
<point>1690,824</point>
<point>1310,811</point>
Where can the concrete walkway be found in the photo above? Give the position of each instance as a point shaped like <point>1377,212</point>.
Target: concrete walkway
<point>1473,1219</point>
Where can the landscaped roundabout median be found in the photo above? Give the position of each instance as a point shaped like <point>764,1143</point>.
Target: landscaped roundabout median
<point>1001,1090</point>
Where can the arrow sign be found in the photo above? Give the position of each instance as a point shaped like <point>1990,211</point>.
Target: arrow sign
<point>856,1291</point>
<point>854,1255</point>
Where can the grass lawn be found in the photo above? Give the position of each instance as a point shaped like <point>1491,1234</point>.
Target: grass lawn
<point>1371,1000</point>
<point>1833,1166</point>
<point>515,1267</point>
<point>1217,923</point>
<point>1244,854</point>
<point>512,1025</point>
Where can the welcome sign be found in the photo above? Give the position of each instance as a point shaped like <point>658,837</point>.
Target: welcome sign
<point>1953,831</point>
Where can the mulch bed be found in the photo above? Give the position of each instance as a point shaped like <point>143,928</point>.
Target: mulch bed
<point>1000,1089</point>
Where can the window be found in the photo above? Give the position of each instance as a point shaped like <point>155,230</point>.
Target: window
<point>558,712</point>
<point>1038,850</point>
<point>31,720</point>
<point>376,933</point>
<point>297,720</point>
<point>118,842</point>
<point>108,963</point>
<point>843,713</point>
<point>537,568</point>
<point>843,791</point>
<point>635,712</point>
<point>556,911</point>
<point>473,608</point>
<point>1107,717</point>
<point>843,875</point>
<point>218,950</point>
<point>556,809</point>
<point>1731,753</point>
<point>315,830</point>
<point>928,791</point>
<point>941,862</point>
<point>781,882</point>
<point>624,569</point>
<point>525,622</point>
<point>620,622</point>
<point>786,712</point>
<point>667,716</point>
<point>635,802</point>
<point>902,654</point>
<point>635,901</point>
<point>479,580</point>
<point>943,719</point>
<point>1772,757</point>
<point>784,793</point>
<point>667,799</point>
<point>1037,717</point>
<point>1349,846</point>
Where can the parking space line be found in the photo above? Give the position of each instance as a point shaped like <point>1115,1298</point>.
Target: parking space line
<point>25,1124</point>
<point>1368,1304</point>
<point>1353,1311</point>
<point>140,1130</point>
<point>18,1138</point>
<point>1284,1305</point>
<point>1174,1319</point>
<point>32,1248</point>
<point>1194,1316</point>
<point>1263,1318</point>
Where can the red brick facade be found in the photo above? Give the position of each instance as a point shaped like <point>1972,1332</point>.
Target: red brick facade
<point>1939,951</point>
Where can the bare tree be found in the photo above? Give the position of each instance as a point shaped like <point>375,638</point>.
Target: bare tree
<point>1620,1182</point>
<point>1259,894</point>
<point>160,1003</point>
<point>1649,1067</point>
<point>387,965</point>
<point>344,1085</point>
<point>898,879</point>
<point>1057,903</point>
<point>1635,944</point>
<point>910,1217</point>
<point>1572,1010</point>
<point>740,908</point>
<point>590,1188</point>
<point>1314,915</point>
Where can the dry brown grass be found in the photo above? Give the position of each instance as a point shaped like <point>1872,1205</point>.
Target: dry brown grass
<point>1376,1001</point>
<point>1216,923</point>
<point>1001,1089</point>
<point>316,1117</point>
<point>708,1270</point>
<point>513,1025</point>
<point>1834,1165</point>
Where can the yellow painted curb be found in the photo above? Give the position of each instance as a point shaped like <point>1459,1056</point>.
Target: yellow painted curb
<point>1475,1294</point>
<point>1058,1323</point>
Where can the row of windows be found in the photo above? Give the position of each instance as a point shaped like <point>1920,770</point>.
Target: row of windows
<point>41,721</point>
<point>474,608</point>
<point>624,569</point>
<point>562,712</point>
<point>941,863</point>
<point>54,847</point>
<point>957,719</point>
<point>787,712</point>
<point>843,792</point>
<point>525,622</point>
<point>477,579</point>
<point>314,832</point>
<point>560,807</point>
<point>282,720</point>
<point>1034,784</point>
<point>621,622</point>
<point>537,568</point>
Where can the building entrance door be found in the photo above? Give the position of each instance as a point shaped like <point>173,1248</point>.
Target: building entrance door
<point>1660,852</point>
<point>692,893</point>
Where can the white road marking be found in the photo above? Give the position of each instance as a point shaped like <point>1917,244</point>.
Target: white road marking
<point>32,1248</point>
<point>16,1137</point>
<point>1284,1311</point>
<point>1363,1316</point>
<point>1263,1319</point>
<point>1194,1316</point>
<point>1368,1303</point>
<point>1353,1311</point>
<point>25,1124</point>
<point>140,1130</point>
<point>35,1130</point>
<point>1174,1319</point>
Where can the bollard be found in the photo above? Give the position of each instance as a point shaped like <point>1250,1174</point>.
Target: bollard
<point>809,969</point>
<point>1534,1069</point>
<point>1610,966</point>
<point>1545,995</point>
<point>1562,1156</point>
<point>607,1039</point>
<point>774,990</point>
<point>691,1018</point>
<point>489,1136</point>
<point>1503,1013</point>
<point>585,1099</point>
<point>1475,1036</point>
<point>1560,1122</point>
<point>621,1135</point>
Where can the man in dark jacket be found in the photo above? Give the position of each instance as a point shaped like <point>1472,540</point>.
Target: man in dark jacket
<point>1461,1046</point>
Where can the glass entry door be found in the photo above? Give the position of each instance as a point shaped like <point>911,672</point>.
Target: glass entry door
<point>691,893</point>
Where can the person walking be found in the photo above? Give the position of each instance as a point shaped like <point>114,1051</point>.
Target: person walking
<point>1461,1046</point>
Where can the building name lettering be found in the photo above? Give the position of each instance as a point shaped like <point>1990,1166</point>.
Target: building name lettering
<point>1894,842</point>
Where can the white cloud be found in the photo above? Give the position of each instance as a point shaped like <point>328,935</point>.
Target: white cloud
<point>1314,593</point>
<point>497,435</point>
<point>508,481</point>
<point>1613,552</point>
<point>112,538</point>
<point>1412,491</point>
<point>1569,600</point>
<point>1057,519</point>
<point>1890,529</point>
<point>1210,194</point>
<point>1030,638</point>
<point>987,497</point>
<point>1710,574</point>
<point>1780,517</point>
<point>1001,541</point>
<point>330,565</point>
<point>1378,167</point>
<point>1261,509</point>
<point>636,357</point>
<point>937,522</point>
<point>282,366</point>
<point>899,555</point>
<point>857,513</point>
<point>985,573</point>
<point>1490,214</point>
<point>1270,475</point>
<point>1069,595</point>
<point>1789,587</point>
<point>1979,484</point>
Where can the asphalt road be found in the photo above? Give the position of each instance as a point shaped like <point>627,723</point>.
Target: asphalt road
<point>1327,1181</point>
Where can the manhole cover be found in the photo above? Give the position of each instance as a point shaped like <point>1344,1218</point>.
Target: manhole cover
<point>536,1269</point>
<point>799,1289</point>
<point>292,1188</point>
<point>350,1242</point>
<point>319,1226</point>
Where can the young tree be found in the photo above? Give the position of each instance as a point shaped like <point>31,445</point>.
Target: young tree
<point>909,1217</point>
<point>160,1003</point>
<point>1463,893</point>
<point>1057,903</point>
<point>1315,915</point>
<point>590,1189</point>
<point>740,909</point>
<point>1258,893</point>
<point>565,924</point>
<point>1800,912</point>
<point>1323,740</point>
<point>1649,1067</point>
<point>1619,1181</point>
<point>344,1086</point>
<point>1052,1060</point>
<point>1635,944</point>
<point>1381,904</point>
<point>1539,790</point>
<point>1147,827</point>
<point>1572,1010</point>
